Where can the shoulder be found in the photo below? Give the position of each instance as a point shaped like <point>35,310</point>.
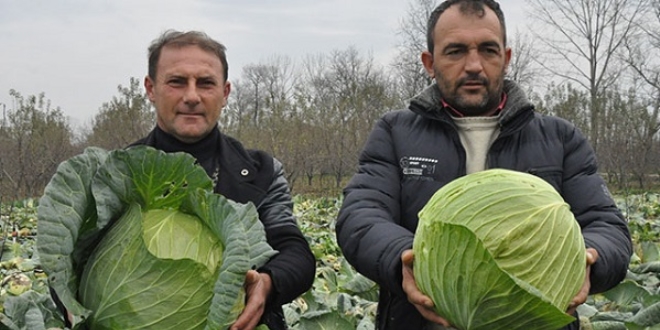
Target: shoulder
<point>555,124</point>
<point>398,119</point>
<point>400,115</point>
<point>261,160</point>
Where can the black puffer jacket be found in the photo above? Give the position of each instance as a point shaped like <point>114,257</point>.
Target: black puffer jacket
<point>412,153</point>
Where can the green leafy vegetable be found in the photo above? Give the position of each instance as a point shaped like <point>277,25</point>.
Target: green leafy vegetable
<point>136,238</point>
<point>499,249</point>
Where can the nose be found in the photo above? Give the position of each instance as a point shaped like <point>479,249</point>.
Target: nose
<point>473,62</point>
<point>191,96</point>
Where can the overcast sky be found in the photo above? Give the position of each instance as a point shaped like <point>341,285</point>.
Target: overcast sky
<point>77,52</point>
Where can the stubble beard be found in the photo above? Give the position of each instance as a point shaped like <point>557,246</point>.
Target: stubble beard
<point>466,103</point>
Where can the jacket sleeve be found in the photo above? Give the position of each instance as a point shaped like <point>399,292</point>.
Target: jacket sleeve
<point>368,230</point>
<point>603,226</point>
<point>292,270</point>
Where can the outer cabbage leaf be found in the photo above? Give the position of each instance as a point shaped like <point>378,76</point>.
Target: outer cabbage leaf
<point>68,227</point>
<point>243,235</point>
<point>499,249</point>
<point>152,178</point>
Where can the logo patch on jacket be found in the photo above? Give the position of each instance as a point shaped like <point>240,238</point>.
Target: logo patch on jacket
<point>418,166</point>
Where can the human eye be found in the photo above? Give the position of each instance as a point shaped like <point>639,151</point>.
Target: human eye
<point>491,50</point>
<point>206,82</point>
<point>454,52</point>
<point>176,81</point>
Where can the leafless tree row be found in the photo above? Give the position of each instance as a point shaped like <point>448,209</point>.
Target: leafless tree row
<point>593,62</point>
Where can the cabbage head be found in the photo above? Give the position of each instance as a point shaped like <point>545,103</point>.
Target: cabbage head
<point>499,249</point>
<point>136,239</point>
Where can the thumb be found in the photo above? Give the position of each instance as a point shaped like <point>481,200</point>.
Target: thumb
<point>407,257</point>
<point>251,277</point>
<point>592,256</point>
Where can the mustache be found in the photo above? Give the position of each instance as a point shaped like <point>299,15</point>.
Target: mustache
<point>472,78</point>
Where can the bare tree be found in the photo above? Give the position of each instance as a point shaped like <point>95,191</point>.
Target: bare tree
<point>412,77</point>
<point>264,85</point>
<point>522,68</point>
<point>340,96</point>
<point>123,120</point>
<point>642,53</point>
<point>582,38</point>
<point>34,139</point>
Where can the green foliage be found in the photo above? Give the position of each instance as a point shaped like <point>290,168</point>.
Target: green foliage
<point>340,298</point>
<point>643,213</point>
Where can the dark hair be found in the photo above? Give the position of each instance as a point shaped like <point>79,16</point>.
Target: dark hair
<point>469,7</point>
<point>180,39</point>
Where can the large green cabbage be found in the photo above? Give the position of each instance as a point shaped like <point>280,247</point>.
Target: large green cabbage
<point>136,239</point>
<point>499,249</point>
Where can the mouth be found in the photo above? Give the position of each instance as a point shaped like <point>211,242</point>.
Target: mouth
<point>190,114</point>
<point>472,86</point>
<point>472,83</point>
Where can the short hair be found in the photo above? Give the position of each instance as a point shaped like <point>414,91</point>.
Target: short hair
<point>471,7</point>
<point>181,39</point>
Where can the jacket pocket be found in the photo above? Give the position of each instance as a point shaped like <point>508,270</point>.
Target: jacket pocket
<point>551,174</point>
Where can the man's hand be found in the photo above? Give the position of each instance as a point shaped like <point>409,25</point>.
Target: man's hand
<point>581,297</point>
<point>422,302</point>
<point>257,289</point>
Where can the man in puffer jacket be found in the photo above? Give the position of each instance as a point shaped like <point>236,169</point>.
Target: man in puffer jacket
<point>471,119</point>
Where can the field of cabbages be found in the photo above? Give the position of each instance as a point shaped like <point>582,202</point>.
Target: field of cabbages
<point>341,298</point>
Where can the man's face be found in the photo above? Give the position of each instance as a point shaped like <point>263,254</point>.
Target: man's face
<point>468,61</point>
<point>188,92</point>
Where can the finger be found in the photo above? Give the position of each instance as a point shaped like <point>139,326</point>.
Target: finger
<point>416,297</point>
<point>581,297</point>
<point>412,292</point>
<point>251,277</point>
<point>248,318</point>
<point>432,316</point>
<point>407,257</point>
<point>592,256</point>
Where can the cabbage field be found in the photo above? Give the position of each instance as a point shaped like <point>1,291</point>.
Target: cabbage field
<point>341,298</point>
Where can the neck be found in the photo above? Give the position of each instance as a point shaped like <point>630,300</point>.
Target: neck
<point>203,150</point>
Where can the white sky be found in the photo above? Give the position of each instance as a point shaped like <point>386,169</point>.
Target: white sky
<point>77,52</point>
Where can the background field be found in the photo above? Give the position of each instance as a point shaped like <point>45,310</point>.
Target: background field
<point>341,298</point>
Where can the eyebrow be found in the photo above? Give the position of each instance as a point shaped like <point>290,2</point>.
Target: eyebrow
<point>462,45</point>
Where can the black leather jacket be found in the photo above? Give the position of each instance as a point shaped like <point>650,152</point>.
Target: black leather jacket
<point>412,153</point>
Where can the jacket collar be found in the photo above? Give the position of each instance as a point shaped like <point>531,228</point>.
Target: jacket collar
<point>429,103</point>
<point>242,176</point>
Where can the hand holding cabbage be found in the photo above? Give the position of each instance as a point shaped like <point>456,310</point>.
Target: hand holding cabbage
<point>422,302</point>
<point>499,249</point>
<point>137,239</point>
<point>257,288</point>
